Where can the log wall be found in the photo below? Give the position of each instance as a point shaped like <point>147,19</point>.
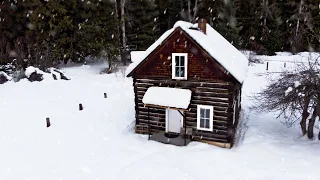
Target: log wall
<point>220,95</point>
<point>210,83</point>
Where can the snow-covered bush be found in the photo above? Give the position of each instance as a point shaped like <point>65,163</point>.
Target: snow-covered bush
<point>35,74</point>
<point>252,57</point>
<point>295,94</point>
<point>8,68</point>
<point>18,75</point>
<point>31,73</point>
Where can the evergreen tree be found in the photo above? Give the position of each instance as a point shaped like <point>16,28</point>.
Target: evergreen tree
<point>142,27</point>
<point>170,11</point>
<point>13,25</point>
<point>222,16</point>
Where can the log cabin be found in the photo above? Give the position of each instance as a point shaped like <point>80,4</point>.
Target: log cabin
<point>187,86</point>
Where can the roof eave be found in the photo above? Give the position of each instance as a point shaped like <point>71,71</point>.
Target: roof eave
<point>133,70</point>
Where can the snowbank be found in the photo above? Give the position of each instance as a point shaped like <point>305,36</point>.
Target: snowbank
<point>97,143</point>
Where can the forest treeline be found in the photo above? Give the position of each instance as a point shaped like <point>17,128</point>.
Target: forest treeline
<point>46,32</point>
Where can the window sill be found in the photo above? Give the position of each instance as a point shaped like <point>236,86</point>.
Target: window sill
<point>178,78</point>
<point>204,129</point>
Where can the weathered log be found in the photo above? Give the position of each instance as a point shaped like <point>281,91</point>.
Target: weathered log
<point>199,138</point>
<point>210,103</point>
<point>215,90</point>
<point>152,113</point>
<point>210,98</point>
<point>152,118</point>
<point>210,134</point>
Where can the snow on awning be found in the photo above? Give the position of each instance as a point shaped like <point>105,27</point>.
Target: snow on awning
<point>167,97</point>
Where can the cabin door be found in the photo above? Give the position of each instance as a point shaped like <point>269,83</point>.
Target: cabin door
<point>173,121</point>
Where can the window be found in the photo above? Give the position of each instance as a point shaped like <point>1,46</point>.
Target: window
<point>179,65</point>
<point>204,117</point>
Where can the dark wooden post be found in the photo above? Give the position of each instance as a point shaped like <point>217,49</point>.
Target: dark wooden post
<point>80,107</point>
<point>267,66</point>
<point>285,64</point>
<point>48,122</point>
<point>149,132</point>
<point>105,95</point>
<point>185,129</point>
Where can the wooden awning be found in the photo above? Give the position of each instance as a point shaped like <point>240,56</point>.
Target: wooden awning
<point>164,97</point>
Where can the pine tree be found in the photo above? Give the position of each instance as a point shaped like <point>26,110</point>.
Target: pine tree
<point>13,24</point>
<point>142,27</point>
<point>170,11</point>
<point>221,15</point>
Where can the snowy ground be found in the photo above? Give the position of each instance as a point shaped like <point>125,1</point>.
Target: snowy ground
<point>97,143</point>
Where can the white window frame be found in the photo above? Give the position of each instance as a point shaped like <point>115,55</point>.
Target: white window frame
<point>174,65</point>
<point>199,107</point>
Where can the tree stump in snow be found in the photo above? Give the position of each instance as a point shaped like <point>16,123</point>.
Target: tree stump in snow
<point>80,107</point>
<point>48,122</point>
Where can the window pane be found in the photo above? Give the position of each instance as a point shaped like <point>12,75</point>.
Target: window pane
<point>202,113</point>
<point>207,113</point>
<point>177,60</point>
<point>177,72</point>
<point>202,121</point>
<point>207,123</point>
<point>182,60</point>
<point>182,72</point>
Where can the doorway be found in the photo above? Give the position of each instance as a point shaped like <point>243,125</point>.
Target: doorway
<point>174,121</point>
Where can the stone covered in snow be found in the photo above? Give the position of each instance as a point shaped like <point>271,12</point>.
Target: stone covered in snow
<point>34,74</point>
<point>58,74</point>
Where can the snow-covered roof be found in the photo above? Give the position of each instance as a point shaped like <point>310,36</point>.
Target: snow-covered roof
<point>136,55</point>
<point>167,97</point>
<point>216,45</point>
